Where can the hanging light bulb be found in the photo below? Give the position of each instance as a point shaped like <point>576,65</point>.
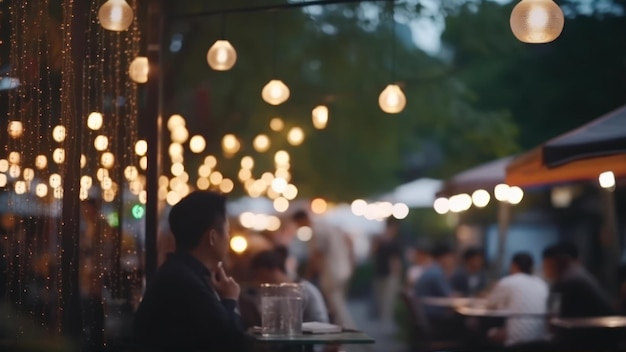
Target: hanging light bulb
<point>275,92</point>
<point>221,56</point>
<point>115,15</point>
<point>537,21</point>
<point>392,99</point>
<point>320,117</point>
<point>138,69</point>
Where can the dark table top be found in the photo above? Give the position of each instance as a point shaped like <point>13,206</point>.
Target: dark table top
<point>344,338</point>
<point>496,313</point>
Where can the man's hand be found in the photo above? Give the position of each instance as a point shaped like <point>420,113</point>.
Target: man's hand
<point>225,285</point>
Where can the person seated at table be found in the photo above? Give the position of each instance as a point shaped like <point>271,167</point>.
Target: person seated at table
<point>419,259</point>
<point>435,282</point>
<point>521,292</point>
<point>578,292</point>
<point>269,267</point>
<point>471,278</point>
<point>190,303</point>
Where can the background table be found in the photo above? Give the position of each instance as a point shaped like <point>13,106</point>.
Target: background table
<point>452,302</point>
<point>611,322</point>
<point>496,313</point>
<point>343,338</point>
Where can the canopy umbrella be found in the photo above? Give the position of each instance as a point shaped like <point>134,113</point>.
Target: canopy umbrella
<point>529,170</point>
<point>420,193</point>
<point>485,176</point>
<point>603,136</point>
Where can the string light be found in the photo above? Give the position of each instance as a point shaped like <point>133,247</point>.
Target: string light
<point>221,56</point>
<point>275,92</point>
<point>139,69</point>
<point>537,21</point>
<point>115,15</point>
<point>392,100</point>
<point>319,116</point>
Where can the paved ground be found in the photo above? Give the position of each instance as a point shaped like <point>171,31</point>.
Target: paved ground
<point>384,334</point>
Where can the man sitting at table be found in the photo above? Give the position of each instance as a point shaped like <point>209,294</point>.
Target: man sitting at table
<point>190,303</point>
<point>434,282</point>
<point>520,293</point>
<point>580,294</point>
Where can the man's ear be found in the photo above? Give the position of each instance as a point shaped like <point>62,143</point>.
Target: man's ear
<point>211,233</point>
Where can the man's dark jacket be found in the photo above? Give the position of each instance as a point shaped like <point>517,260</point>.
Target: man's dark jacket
<point>181,311</point>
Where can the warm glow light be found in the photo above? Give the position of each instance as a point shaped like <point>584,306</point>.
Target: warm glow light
<point>14,157</point>
<point>304,233</point>
<point>143,163</point>
<point>319,206</point>
<point>20,187</point>
<point>58,193</point>
<point>460,202</point>
<point>607,179</point>
<point>279,185</point>
<point>273,223</point>
<point>83,161</point>
<point>59,133</point>
<point>197,144</point>
<point>400,211</point>
<point>210,161</point>
<point>238,244</point>
<point>537,21</point>
<point>107,160</point>
<point>358,207</point>
<point>244,175</point>
<point>247,219</point>
<point>501,192</point>
<point>58,155</point>
<point>203,184</point>
<point>141,147</point>
<point>247,162</point>
<point>4,165</point>
<point>3,180</point>
<point>55,180</point>
<point>41,162</point>
<point>175,149</point>
<point>277,124</point>
<point>115,15</point>
<point>261,143</point>
<point>177,169</point>
<point>320,117</point>
<point>295,136</point>
<point>515,195</point>
<point>179,134</point>
<point>86,182</point>
<point>94,121</point>
<point>221,56</point>
<point>101,142</point>
<point>230,144</point>
<point>481,198</point>
<point>14,171</point>
<point>216,177</point>
<point>172,198</point>
<point>275,92</point>
<point>15,129</point>
<point>392,100</point>
<point>226,186</point>
<point>41,190</point>
<point>281,157</point>
<point>281,204</point>
<point>441,205</point>
<point>175,121</point>
<point>291,192</point>
<point>139,69</point>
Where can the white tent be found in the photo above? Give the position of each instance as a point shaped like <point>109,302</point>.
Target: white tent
<point>420,193</point>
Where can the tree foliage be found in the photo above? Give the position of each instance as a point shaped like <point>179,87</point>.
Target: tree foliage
<point>339,55</point>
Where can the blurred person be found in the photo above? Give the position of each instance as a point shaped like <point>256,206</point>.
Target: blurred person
<point>435,282</point>
<point>387,255</point>
<point>471,278</point>
<point>269,267</point>
<point>521,292</point>
<point>191,303</point>
<point>419,260</point>
<point>576,292</point>
<point>331,261</point>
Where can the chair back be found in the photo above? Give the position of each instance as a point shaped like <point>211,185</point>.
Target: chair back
<point>419,324</point>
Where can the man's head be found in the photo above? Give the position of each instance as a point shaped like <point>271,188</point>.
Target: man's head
<point>301,218</point>
<point>443,254</point>
<point>392,227</point>
<point>522,262</point>
<point>473,260</point>
<point>269,266</point>
<point>198,223</point>
<point>557,258</point>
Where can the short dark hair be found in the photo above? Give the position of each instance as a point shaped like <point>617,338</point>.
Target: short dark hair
<point>472,253</point>
<point>523,261</point>
<point>300,215</point>
<point>270,259</point>
<point>441,249</point>
<point>564,250</point>
<point>194,214</point>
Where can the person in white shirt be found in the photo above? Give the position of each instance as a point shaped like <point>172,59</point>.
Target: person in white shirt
<point>331,261</point>
<point>520,293</point>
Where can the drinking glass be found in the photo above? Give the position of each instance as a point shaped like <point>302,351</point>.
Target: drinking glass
<point>281,309</point>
